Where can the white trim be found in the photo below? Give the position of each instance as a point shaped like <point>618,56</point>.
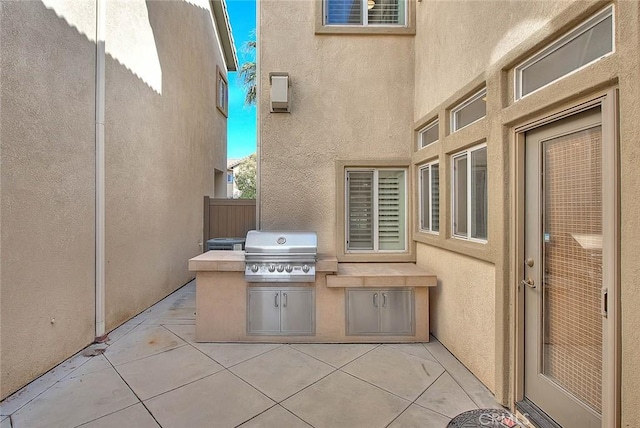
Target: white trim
<point>558,44</point>
<point>467,153</point>
<point>428,165</point>
<point>365,16</point>
<point>456,109</point>
<point>429,126</point>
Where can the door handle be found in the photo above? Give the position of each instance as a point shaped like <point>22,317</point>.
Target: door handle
<point>528,282</point>
<point>375,300</point>
<point>284,301</point>
<point>384,300</point>
<point>277,299</point>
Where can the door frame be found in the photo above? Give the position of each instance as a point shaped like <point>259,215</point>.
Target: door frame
<point>608,101</point>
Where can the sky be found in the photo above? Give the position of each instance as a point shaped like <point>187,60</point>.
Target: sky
<point>241,125</point>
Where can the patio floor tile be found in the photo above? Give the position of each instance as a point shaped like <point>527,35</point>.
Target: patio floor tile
<point>276,416</point>
<point>336,355</point>
<point>220,400</point>
<point>142,342</point>
<point>340,400</point>
<point>230,354</point>
<point>415,349</point>
<point>168,370</point>
<point>445,396</point>
<point>135,416</point>
<point>418,417</point>
<point>397,372</point>
<point>282,372</point>
<point>75,401</point>
<point>186,332</point>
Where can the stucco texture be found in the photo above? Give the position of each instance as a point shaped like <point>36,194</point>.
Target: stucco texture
<point>164,138</point>
<point>462,308</point>
<point>351,99</point>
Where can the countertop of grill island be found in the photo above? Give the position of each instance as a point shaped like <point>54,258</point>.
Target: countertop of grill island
<point>233,261</point>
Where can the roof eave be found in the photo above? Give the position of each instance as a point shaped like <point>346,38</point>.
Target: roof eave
<point>221,17</point>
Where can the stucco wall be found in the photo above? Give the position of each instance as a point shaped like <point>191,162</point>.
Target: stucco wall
<point>163,136</point>
<point>47,91</point>
<point>462,308</point>
<point>351,99</point>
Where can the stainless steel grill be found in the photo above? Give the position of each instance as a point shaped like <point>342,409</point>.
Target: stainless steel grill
<point>280,256</point>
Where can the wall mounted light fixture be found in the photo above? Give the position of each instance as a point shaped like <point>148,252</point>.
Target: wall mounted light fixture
<point>280,92</point>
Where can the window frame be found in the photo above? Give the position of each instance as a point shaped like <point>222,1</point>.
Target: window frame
<point>482,93</point>
<point>560,42</point>
<point>428,165</point>
<point>409,27</point>
<point>422,131</point>
<point>467,152</point>
<point>364,16</point>
<point>375,210</point>
<point>222,92</point>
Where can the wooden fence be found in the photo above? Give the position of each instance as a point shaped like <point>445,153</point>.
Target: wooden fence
<point>228,218</point>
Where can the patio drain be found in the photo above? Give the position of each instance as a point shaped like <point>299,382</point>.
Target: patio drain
<point>485,418</point>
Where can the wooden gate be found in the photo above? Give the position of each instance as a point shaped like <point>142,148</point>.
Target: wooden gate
<point>228,218</point>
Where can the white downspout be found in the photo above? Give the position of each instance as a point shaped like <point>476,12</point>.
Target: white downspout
<point>258,122</point>
<point>101,7</point>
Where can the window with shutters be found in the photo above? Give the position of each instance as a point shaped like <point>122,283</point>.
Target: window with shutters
<point>430,197</point>
<point>365,12</point>
<point>375,210</point>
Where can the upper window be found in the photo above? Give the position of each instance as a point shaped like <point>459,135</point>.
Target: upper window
<point>469,200</point>
<point>430,197</point>
<point>580,47</point>
<point>470,110</point>
<point>222,94</point>
<point>365,12</point>
<point>376,210</point>
<point>428,134</point>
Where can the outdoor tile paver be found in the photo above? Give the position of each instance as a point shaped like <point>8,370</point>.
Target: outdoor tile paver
<point>415,349</point>
<point>168,370</point>
<point>186,332</point>
<point>281,372</point>
<point>445,396</point>
<point>5,422</point>
<point>418,417</point>
<point>95,364</point>
<point>220,400</point>
<point>276,416</point>
<point>230,354</point>
<point>397,372</point>
<point>333,354</point>
<point>135,416</point>
<point>341,400</point>
<point>75,401</point>
<point>142,342</point>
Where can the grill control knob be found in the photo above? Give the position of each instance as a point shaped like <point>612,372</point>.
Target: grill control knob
<point>254,268</point>
<point>289,268</point>
<point>305,268</point>
<point>272,268</point>
<point>280,268</point>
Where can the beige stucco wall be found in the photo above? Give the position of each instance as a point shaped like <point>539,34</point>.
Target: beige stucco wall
<point>462,308</point>
<point>163,136</point>
<point>351,99</point>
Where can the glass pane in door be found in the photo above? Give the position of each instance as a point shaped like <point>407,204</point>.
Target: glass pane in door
<point>572,264</point>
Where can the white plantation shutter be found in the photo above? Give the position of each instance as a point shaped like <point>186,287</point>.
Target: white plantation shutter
<point>378,12</point>
<point>360,210</point>
<point>391,210</point>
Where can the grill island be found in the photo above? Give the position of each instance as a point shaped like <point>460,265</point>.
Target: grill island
<point>280,290</point>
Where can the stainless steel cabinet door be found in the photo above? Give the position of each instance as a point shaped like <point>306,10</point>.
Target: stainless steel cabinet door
<point>297,312</point>
<point>264,311</point>
<point>396,312</point>
<point>362,312</point>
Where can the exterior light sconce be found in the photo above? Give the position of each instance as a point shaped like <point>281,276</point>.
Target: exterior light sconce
<point>280,92</point>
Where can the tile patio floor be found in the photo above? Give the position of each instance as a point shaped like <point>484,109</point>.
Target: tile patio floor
<point>151,373</point>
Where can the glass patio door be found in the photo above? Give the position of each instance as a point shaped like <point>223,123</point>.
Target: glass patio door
<point>563,269</point>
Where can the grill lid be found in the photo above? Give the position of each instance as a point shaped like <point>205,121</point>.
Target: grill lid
<point>281,242</point>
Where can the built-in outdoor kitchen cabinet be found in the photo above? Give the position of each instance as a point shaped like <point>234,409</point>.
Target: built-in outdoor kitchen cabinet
<point>281,310</point>
<point>380,311</point>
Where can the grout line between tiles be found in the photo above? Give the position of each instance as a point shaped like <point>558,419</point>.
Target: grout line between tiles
<point>104,416</point>
<point>348,362</point>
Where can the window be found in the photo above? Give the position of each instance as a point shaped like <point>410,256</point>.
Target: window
<point>428,135</point>
<point>222,93</point>
<point>375,210</point>
<point>378,12</point>
<point>472,109</point>
<point>430,197</point>
<point>470,194</point>
<point>229,177</point>
<point>582,46</point>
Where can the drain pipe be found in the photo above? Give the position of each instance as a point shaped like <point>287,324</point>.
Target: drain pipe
<point>101,8</point>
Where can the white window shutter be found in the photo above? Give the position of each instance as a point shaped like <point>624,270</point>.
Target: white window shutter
<point>360,210</point>
<point>391,210</point>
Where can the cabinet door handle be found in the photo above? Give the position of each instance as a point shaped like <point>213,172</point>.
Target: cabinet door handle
<point>384,300</point>
<point>375,300</point>
<point>284,301</point>
<point>277,300</point>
